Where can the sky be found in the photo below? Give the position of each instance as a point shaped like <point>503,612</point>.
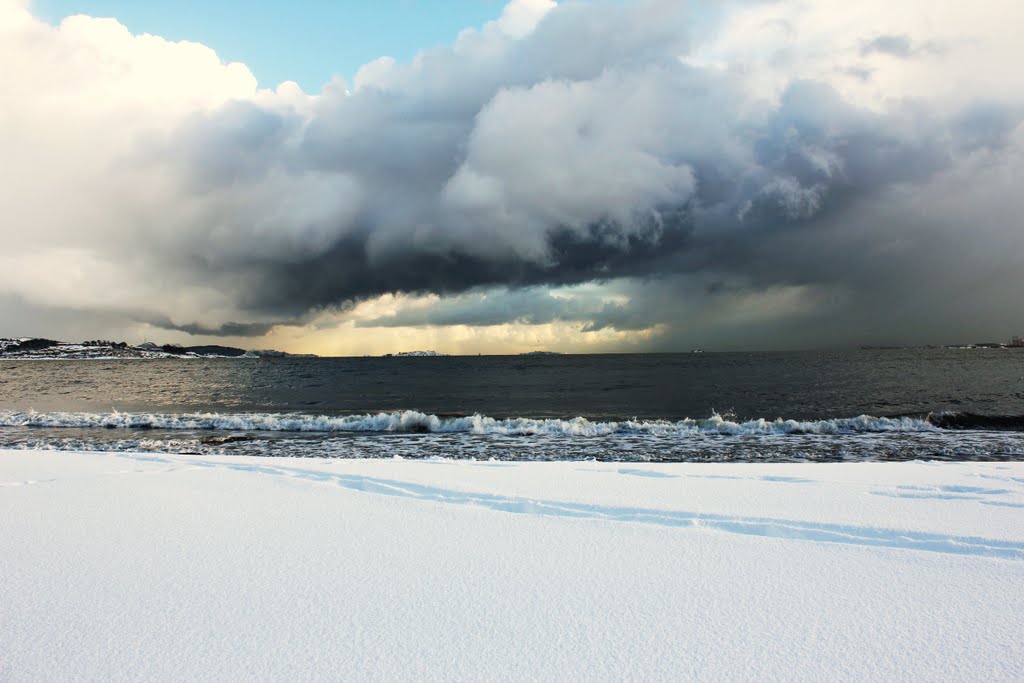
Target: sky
<point>580,176</point>
<point>308,42</point>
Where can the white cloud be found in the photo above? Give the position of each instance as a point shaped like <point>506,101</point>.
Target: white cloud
<point>520,17</point>
<point>83,103</point>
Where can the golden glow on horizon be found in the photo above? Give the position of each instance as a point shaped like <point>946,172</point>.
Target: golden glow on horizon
<point>363,330</point>
<point>346,339</point>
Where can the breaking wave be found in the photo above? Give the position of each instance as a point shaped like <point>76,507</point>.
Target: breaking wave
<point>410,421</point>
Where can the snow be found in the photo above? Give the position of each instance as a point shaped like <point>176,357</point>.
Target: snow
<point>225,568</point>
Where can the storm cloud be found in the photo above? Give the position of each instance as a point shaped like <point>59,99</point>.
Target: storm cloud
<point>718,169</point>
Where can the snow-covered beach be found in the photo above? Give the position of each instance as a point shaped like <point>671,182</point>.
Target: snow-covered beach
<point>121,566</point>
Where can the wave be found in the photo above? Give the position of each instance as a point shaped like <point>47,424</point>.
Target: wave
<point>410,421</point>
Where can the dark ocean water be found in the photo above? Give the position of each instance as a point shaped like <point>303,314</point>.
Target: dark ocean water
<point>852,405</point>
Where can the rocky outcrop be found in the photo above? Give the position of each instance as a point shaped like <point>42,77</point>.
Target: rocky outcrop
<point>39,348</point>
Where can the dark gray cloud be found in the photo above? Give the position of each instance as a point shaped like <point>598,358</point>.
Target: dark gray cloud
<point>441,204</point>
<point>230,329</point>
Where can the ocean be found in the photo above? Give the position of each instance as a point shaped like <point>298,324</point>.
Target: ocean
<point>862,405</point>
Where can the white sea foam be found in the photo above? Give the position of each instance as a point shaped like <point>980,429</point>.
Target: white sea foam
<point>413,421</point>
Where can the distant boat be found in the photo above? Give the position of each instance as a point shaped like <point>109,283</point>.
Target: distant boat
<point>697,351</point>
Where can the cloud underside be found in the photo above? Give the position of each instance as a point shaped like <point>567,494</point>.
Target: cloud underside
<point>768,172</point>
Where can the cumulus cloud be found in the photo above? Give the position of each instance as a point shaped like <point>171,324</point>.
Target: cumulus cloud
<point>706,170</point>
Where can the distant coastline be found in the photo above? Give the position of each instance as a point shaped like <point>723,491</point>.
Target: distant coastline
<point>37,348</point>
<point>1015,343</point>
